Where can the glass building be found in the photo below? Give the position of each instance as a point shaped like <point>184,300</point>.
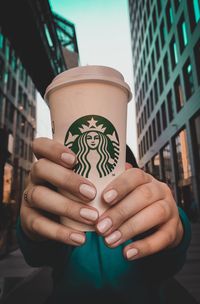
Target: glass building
<point>166,64</point>
<point>17,130</point>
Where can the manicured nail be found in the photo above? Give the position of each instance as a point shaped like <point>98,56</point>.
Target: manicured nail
<point>89,214</point>
<point>114,237</point>
<point>131,253</point>
<point>68,158</point>
<point>110,196</point>
<point>77,237</point>
<point>87,190</point>
<point>104,225</point>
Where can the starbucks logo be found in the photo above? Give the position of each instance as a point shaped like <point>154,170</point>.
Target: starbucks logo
<point>93,137</point>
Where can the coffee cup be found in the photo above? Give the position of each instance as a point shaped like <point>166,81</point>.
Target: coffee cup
<point>88,107</point>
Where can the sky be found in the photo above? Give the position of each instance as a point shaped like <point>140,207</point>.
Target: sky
<point>103,34</point>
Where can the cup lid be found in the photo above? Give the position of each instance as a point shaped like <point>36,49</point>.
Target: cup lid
<point>88,73</point>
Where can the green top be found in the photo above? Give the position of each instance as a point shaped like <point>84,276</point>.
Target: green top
<point>93,273</point>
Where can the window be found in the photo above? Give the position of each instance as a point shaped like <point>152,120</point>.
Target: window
<point>184,168</point>
<point>160,78</point>
<point>13,88</point>
<point>159,6</point>
<point>173,53</point>
<point>196,8</point>
<point>166,68</point>
<point>176,4</point>
<point>150,136</point>
<point>167,165</point>
<point>163,33</point>
<point>154,130</point>
<point>178,94</point>
<point>170,106</point>
<point>197,59</point>
<point>194,12</point>
<point>158,123</point>
<point>151,100</point>
<point>182,33</point>
<point>2,66</point>
<point>155,91</point>
<point>157,49</point>
<point>169,15</point>
<point>1,41</point>
<point>149,72</point>
<point>150,32</point>
<point>154,19</point>
<point>148,108</point>
<point>156,166</point>
<point>164,116</point>
<point>188,79</point>
<point>153,61</point>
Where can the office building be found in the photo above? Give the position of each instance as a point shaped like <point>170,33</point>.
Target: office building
<point>166,65</point>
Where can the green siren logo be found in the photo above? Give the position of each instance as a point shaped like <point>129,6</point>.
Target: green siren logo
<point>93,137</point>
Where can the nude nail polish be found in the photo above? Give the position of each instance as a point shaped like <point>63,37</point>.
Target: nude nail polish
<point>110,196</point>
<point>89,214</point>
<point>87,191</point>
<point>68,158</point>
<point>77,237</point>
<point>104,225</point>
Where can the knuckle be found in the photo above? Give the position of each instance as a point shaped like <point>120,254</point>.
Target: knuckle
<point>61,234</point>
<point>162,211</point>
<point>37,167</point>
<point>36,143</point>
<point>147,248</point>
<point>35,225</point>
<point>146,192</point>
<point>170,236</point>
<point>121,213</point>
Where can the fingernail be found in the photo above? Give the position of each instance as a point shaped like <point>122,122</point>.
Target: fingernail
<point>87,190</point>
<point>114,237</point>
<point>68,158</point>
<point>110,195</point>
<point>104,225</point>
<point>131,253</point>
<point>77,237</point>
<point>89,214</point>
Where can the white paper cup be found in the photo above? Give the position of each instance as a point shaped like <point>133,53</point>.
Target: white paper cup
<point>88,108</point>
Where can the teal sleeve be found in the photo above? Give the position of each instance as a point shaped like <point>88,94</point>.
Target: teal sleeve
<point>168,262</point>
<point>37,253</point>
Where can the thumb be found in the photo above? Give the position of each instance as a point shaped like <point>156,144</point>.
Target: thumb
<point>128,166</point>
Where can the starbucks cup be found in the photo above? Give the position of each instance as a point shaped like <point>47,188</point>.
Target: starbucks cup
<point>88,107</point>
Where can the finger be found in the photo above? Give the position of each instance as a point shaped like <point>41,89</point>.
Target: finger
<point>41,197</point>
<point>54,151</point>
<point>152,244</point>
<point>44,171</point>
<point>134,202</point>
<point>124,184</point>
<point>144,220</point>
<point>128,166</point>
<point>36,224</point>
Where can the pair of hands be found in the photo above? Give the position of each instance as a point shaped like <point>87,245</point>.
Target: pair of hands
<point>138,203</point>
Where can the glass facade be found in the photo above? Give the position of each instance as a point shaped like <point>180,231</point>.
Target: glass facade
<point>167,89</point>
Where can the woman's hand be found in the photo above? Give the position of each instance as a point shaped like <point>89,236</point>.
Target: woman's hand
<point>139,202</point>
<point>42,204</point>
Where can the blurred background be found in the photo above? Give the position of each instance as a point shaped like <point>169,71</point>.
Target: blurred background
<point>155,44</point>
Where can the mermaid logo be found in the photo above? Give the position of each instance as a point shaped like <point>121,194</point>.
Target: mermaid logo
<point>95,141</point>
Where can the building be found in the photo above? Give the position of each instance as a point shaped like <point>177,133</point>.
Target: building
<point>30,57</point>
<point>166,64</point>
<point>17,129</point>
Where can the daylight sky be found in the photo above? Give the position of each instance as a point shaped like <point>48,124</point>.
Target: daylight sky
<point>103,34</point>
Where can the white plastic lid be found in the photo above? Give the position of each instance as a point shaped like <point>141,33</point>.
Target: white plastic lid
<point>88,73</point>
